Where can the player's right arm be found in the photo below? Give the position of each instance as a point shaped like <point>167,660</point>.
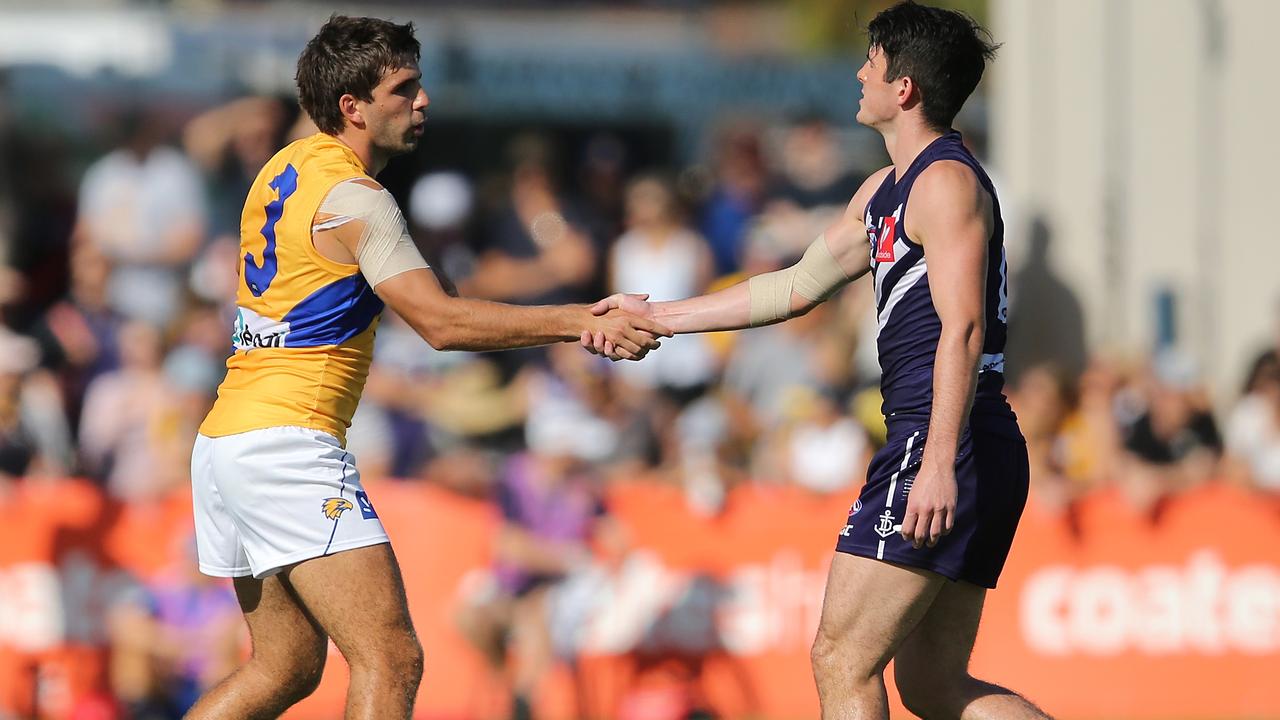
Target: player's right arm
<point>836,258</point>
<point>370,228</point>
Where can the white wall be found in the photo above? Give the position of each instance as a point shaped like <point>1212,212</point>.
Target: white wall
<point>1154,164</point>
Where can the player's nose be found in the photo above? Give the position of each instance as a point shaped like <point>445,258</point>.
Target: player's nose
<point>422,101</point>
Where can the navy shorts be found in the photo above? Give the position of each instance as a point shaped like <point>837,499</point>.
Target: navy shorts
<point>991,482</point>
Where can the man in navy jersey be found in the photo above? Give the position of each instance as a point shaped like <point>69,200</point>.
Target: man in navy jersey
<point>929,534</point>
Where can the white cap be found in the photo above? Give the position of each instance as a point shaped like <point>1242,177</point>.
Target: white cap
<point>440,200</point>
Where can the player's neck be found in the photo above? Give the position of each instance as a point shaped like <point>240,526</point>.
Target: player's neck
<point>363,147</point>
<point>905,142</point>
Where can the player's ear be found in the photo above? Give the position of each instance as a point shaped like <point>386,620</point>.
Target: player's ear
<point>350,108</point>
<point>906,88</point>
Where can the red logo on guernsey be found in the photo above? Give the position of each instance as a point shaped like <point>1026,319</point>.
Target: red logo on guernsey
<point>884,246</point>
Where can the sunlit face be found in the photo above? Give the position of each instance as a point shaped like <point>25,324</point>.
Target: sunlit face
<point>395,117</point>
<point>648,203</point>
<point>879,98</point>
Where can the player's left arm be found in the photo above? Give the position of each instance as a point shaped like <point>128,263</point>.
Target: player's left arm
<point>951,216</point>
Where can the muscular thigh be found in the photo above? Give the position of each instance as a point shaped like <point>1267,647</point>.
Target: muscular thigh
<point>357,596</point>
<point>937,650</point>
<point>283,632</point>
<point>870,607</point>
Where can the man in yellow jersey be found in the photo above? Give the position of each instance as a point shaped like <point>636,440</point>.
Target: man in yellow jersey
<point>278,502</point>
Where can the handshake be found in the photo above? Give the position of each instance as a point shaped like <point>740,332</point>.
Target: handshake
<point>623,328</point>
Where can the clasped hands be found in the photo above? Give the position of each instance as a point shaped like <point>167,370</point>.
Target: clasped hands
<point>624,328</point>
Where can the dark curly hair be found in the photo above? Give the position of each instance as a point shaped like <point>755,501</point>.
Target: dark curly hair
<point>943,52</point>
<point>350,55</point>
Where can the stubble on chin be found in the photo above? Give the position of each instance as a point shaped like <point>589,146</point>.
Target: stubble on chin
<point>399,145</point>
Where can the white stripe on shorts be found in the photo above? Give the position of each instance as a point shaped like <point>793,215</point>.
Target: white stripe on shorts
<point>893,485</point>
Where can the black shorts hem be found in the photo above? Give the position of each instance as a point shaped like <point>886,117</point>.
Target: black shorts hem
<point>919,563</point>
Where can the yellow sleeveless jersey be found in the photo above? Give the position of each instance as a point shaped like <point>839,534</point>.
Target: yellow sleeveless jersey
<point>303,335</point>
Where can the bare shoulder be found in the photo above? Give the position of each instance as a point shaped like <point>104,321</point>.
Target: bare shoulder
<point>947,184</point>
<point>946,197</point>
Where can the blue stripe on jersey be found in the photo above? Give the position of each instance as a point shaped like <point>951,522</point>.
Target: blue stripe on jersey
<point>333,314</point>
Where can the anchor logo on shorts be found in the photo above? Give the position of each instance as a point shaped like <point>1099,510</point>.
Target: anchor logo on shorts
<point>884,528</point>
<point>334,507</point>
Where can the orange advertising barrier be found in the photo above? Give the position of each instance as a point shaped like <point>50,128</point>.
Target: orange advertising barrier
<point>1100,614</point>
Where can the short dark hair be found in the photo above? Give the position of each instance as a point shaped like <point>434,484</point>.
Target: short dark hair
<point>350,55</point>
<point>943,52</point>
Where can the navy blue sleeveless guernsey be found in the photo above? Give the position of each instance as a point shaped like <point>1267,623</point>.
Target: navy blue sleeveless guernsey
<point>908,325</point>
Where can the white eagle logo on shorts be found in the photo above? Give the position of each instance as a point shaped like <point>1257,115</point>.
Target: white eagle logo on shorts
<point>334,507</point>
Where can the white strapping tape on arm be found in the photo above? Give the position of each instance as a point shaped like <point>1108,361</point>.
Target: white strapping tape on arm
<point>385,248</point>
<point>814,278</point>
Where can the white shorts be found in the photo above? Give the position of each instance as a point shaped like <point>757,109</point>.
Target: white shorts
<point>266,499</point>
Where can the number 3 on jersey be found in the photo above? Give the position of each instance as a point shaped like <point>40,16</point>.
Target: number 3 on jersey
<point>259,277</point>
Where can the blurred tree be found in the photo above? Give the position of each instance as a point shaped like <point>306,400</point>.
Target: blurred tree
<point>837,25</point>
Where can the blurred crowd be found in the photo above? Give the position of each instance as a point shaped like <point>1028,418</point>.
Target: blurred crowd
<point>117,284</point>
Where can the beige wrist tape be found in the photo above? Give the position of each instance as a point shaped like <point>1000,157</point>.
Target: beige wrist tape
<point>814,278</point>
<point>385,248</point>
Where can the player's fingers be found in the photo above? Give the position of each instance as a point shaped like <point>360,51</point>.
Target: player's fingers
<point>639,354</point>
<point>921,534</point>
<point>908,525</point>
<point>637,332</point>
<point>640,338</point>
<point>935,527</point>
<point>585,341</point>
<point>624,342</point>
<point>951,521</point>
<point>609,349</point>
<point>603,306</point>
<point>598,341</point>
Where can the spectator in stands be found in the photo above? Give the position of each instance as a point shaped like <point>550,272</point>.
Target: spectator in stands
<point>189,376</point>
<point>181,635</point>
<point>660,255</point>
<point>1043,405</point>
<point>551,512</point>
<point>142,205</point>
<point>441,209</point>
<point>1174,445</point>
<point>817,446</point>
<point>768,362</point>
<point>814,172</point>
<point>736,196</point>
<point>79,336</point>
<point>34,437</point>
<point>128,418</point>
<point>602,176</point>
<point>535,249</point>
<point>1253,428</point>
<point>230,143</point>
<point>811,191</point>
